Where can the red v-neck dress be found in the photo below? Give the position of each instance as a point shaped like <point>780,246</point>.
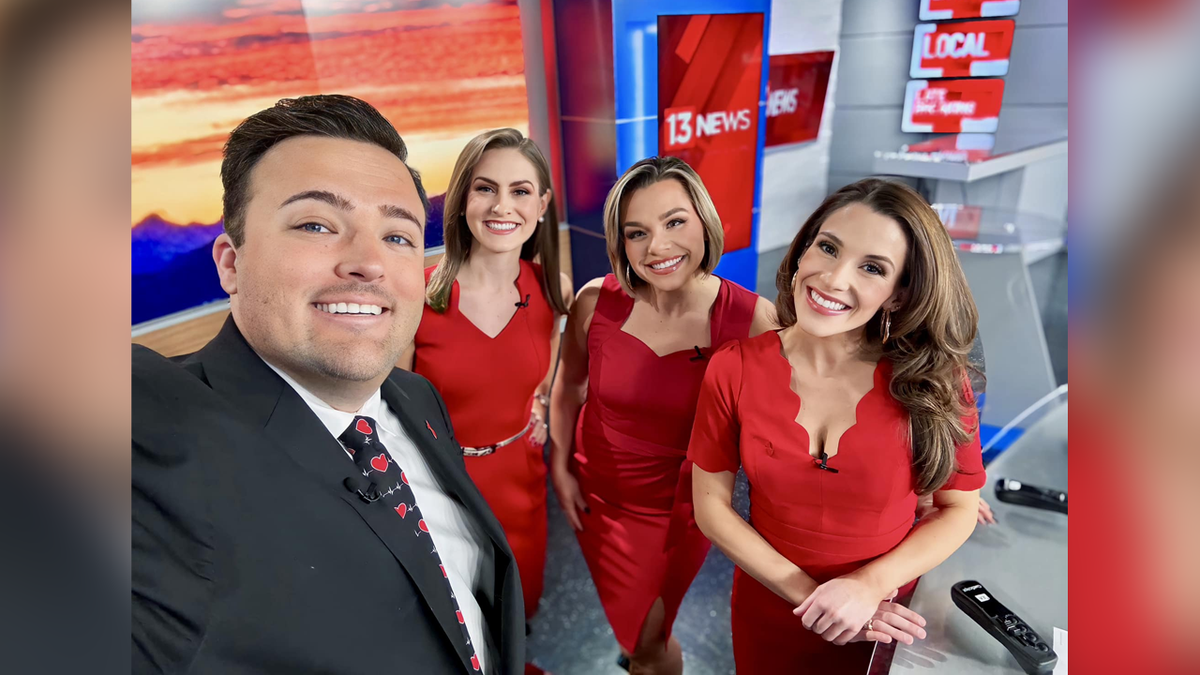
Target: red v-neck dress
<point>828,524</point>
<point>488,385</point>
<point>640,540</point>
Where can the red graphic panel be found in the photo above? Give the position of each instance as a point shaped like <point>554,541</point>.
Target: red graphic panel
<point>962,49</point>
<point>957,148</point>
<point>962,222</point>
<point>709,79</point>
<point>952,106</point>
<point>796,96</point>
<point>940,10</point>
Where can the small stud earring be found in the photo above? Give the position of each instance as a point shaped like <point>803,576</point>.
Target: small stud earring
<point>542,219</point>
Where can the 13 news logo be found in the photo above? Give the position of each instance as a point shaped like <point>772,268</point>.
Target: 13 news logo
<point>684,126</point>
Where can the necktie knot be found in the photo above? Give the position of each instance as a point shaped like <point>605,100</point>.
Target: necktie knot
<point>362,433</point>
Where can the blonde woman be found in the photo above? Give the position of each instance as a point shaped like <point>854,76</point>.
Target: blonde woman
<point>840,420</point>
<point>635,349</point>
<point>489,332</point>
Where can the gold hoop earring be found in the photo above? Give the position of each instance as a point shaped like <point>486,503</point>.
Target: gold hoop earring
<point>887,326</point>
<point>794,277</point>
<point>629,273</point>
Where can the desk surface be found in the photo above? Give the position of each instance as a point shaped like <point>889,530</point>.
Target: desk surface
<point>1010,152</point>
<point>995,230</point>
<point>1022,560</point>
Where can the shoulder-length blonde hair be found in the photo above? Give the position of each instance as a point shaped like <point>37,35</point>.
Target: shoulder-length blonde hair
<point>931,333</point>
<point>542,247</point>
<point>642,175</point>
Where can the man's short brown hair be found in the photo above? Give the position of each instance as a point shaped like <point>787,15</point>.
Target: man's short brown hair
<point>330,115</point>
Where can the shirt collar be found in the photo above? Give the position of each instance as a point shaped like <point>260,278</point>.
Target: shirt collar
<point>336,421</point>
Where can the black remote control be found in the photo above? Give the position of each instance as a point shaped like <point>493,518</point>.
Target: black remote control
<point>1015,492</point>
<point>1032,653</point>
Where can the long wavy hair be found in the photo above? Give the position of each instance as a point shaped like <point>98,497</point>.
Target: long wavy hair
<point>931,333</point>
<point>542,247</point>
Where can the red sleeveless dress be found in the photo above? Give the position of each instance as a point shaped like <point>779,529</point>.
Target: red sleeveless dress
<point>640,540</point>
<point>488,385</point>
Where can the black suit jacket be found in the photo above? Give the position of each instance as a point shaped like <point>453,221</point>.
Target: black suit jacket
<point>250,556</point>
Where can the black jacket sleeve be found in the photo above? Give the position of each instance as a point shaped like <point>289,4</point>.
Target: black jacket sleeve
<point>172,563</point>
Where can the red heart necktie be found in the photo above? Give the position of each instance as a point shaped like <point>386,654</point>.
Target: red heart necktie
<point>362,440</point>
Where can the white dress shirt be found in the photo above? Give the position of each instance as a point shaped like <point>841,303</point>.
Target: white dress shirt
<point>458,541</point>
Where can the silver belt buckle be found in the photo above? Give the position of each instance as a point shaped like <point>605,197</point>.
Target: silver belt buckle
<point>489,449</point>
<point>479,452</point>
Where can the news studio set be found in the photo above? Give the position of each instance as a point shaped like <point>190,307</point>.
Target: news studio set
<point>775,105</point>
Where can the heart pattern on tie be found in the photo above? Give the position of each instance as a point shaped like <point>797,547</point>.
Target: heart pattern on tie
<point>380,463</point>
<point>399,497</point>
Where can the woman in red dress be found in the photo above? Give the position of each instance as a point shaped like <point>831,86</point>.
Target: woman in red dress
<point>489,332</point>
<point>840,420</point>
<point>634,354</point>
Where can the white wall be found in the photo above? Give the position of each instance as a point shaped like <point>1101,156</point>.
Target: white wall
<point>795,177</point>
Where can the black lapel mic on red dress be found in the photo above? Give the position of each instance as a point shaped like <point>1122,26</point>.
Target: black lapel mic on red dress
<point>525,303</point>
<point>823,466</point>
<point>367,492</point>
<point>699,354</point>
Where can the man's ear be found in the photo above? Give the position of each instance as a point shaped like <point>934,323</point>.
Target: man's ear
<point>225,257</point>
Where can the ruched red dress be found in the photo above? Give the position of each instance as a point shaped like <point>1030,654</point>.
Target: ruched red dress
<point>640,539</point>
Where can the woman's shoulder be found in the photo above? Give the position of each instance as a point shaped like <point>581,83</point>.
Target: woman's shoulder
<point>747,348</point>
<point>739,293</point>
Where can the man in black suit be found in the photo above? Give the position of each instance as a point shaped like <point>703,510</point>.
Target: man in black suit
<point>299,505</point>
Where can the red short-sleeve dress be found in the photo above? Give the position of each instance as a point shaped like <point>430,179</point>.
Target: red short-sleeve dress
<point>488,385</point>
<point>640,540</point>
<point>827,523</point>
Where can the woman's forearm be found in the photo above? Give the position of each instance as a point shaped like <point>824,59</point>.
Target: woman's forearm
<point>565,405</point>
<point>748,550</point>
<point>935,538</point>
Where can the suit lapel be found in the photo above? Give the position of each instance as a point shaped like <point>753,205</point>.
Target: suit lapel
<point>455,481</point>
<point>236,372</point>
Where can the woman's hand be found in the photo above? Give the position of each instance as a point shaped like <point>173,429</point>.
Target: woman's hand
<point>570,497</point>
<point>892,622</point>
<point>537,435</point>
<point>840,608</point>
<point>985,517</point>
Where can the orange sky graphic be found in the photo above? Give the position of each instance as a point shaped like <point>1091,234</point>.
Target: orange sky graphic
<point>441,74</point>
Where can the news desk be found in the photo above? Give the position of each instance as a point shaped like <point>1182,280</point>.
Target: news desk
<point>1022,560</point>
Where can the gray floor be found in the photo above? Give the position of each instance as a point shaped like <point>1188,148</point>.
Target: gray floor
<point>572,637</point>
<point>570,633</point>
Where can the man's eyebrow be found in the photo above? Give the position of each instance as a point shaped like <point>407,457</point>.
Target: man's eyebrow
<point>330,198</point>
<point>393,211</point>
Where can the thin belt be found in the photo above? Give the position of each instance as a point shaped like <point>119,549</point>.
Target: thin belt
<point>489,449</point>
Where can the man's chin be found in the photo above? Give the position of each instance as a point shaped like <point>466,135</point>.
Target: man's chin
<point>349,362</point>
